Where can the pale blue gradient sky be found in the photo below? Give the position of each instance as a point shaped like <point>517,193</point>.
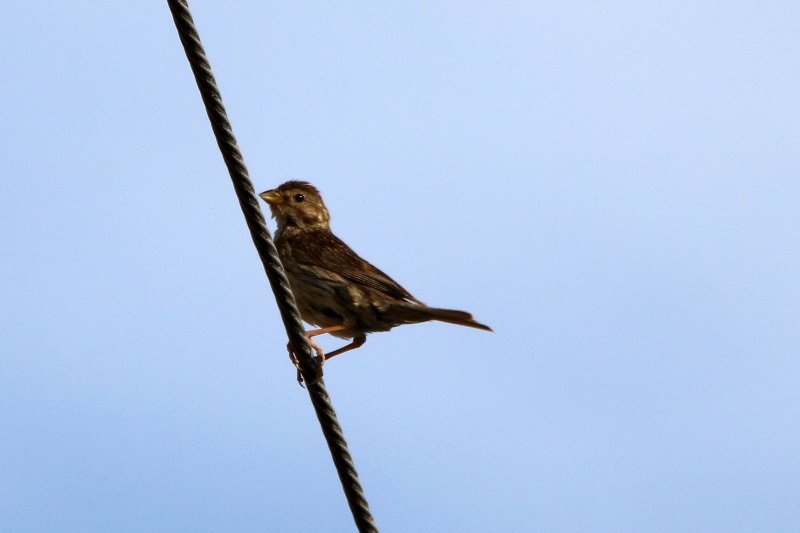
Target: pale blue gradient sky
<point>613,186</point>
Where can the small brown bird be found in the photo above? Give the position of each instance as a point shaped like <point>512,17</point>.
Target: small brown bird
<point>335,289</point>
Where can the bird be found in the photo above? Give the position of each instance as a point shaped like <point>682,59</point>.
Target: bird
<point>336,290</point>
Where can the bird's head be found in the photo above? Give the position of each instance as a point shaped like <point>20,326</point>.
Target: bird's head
<point>297,204</point>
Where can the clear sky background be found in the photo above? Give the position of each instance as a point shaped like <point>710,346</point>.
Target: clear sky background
<point>613,186</point>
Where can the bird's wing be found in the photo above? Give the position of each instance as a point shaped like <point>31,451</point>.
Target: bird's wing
<point>324,250</point>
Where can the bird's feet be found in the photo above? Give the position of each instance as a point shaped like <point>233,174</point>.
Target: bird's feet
<point>293,357</point>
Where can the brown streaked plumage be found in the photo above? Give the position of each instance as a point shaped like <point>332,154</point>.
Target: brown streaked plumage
<point>335,289</point>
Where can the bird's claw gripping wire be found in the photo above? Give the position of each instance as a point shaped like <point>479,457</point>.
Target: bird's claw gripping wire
<point>319,359</point>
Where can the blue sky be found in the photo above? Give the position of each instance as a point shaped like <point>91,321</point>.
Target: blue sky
<point>613,186</point>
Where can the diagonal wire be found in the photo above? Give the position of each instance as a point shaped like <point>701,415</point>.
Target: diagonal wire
<point>310,366</point>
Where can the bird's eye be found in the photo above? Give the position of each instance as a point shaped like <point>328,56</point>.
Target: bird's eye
<point>299,197</point>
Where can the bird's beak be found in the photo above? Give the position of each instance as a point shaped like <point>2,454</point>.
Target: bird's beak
<point>272,197</point>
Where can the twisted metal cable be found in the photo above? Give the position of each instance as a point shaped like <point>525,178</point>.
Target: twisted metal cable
<point>310,366</point>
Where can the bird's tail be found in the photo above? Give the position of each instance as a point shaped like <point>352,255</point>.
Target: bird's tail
<point>411,313</point>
